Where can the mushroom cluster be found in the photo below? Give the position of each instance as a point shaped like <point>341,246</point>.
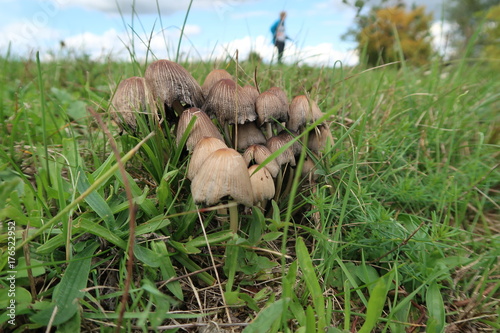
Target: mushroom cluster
<point>233,131</point>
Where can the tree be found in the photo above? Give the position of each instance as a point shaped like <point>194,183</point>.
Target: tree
<point>385,33</point>
<point>491,36</point>
<point>467,14</point>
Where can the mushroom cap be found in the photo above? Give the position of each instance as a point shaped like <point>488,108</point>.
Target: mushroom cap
<point>262,183</point>
<point>224,173</point>
<point>203,127</point>
<point>201,151</point>
<point>169,83</point>
<point>229,103</point>
<point>279,93</point>
<point>302,111</point>
<point>251,91</point>
<point>258,154</point>
<point>249,134</point>
<point>130,98</point>
<point>274,143</point>
<point>309,169</point>
<point>288,136</point>
<point>212,78</point>
<point>318,138</point>
<point>269,106</point>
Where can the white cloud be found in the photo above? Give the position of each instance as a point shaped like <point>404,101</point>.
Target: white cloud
<point>441,33</point>
<point>27,34</point>
<point>151,6</point>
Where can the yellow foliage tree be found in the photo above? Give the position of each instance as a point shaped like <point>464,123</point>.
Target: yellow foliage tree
<point>491,42</point>
<point>389,32</point>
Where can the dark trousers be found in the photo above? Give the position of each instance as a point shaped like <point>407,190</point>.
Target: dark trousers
<point>280,46</point>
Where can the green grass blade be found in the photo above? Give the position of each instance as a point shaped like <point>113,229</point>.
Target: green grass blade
<point>312,282</point>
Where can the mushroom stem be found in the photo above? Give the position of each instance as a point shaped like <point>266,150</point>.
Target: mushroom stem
<point>279,182</point>
<point>269,130</point>
<point>233,217</point>
<point>289,182</point>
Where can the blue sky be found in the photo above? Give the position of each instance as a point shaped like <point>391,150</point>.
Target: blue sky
<point>214,28</point>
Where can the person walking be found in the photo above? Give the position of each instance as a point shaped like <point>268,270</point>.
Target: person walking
<point>279,35</point>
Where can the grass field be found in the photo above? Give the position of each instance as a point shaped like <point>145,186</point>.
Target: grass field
<point>399,233</point>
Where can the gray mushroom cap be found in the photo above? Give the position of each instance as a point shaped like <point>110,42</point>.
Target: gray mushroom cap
<point>257,154</point>
<point>270,107</point>
<point>172,85</point>
<point>302,111</point>
<point>212,78</point>
<point>262,183</point>
<point>201,151</point>
<point>203,127</point>
<point>224,173</point>
<point>130,98</point>
<point>229,103</point>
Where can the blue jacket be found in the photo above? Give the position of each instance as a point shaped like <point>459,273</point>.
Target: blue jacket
<point>274,27</point>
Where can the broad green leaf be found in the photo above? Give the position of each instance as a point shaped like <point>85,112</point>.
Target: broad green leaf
<point>435,308</point>
<point>69,289</point>
<point>36,266</point>
<point>95,201</point>
<point>167,269</point>
<point>376,303</point>
<point>266,318</point>
<point>147,256</point>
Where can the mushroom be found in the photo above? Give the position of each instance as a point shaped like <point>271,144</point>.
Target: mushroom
<point>258,154</point>
<point>251,91</point>
<point>262,184</point>
<point>229,103</point>
<point>173,88</point>
<point>302,111</point>
<point>203,127</point>
<point>224,173</point>
<point>249,134</point>
<point>270,108</point>
<point>130,98</point>
<point>201,151</point>
<point>288,136</point>
<point>286,157</point>
<point>212,78</point>
<point>318,138</point>
<point>279,93</point>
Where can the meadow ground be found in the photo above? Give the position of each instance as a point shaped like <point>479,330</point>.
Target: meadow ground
<point>399,233</point>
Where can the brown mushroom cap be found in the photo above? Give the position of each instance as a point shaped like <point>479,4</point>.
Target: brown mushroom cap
<point>172,85</point>
<point>258,154</point>
<point>262,183</point>
<point>268,107</point>
<point>229,103</point>
<point>203,127</point>
<point>288,136</point>
<point>309,169</point>
<point>201,151</point>
<point>302,111</point>
<point>318,138</point>
<point>212,78</point>
<point>224,173</point>
<point>279,93</point>
<point>274,143</point>
<point>251,91</point>
<point>130,98</point>
<point>249,134</point>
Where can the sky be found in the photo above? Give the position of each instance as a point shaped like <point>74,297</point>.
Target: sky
<point>214,28</point>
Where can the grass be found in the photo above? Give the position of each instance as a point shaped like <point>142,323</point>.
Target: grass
<point>398,234</point>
